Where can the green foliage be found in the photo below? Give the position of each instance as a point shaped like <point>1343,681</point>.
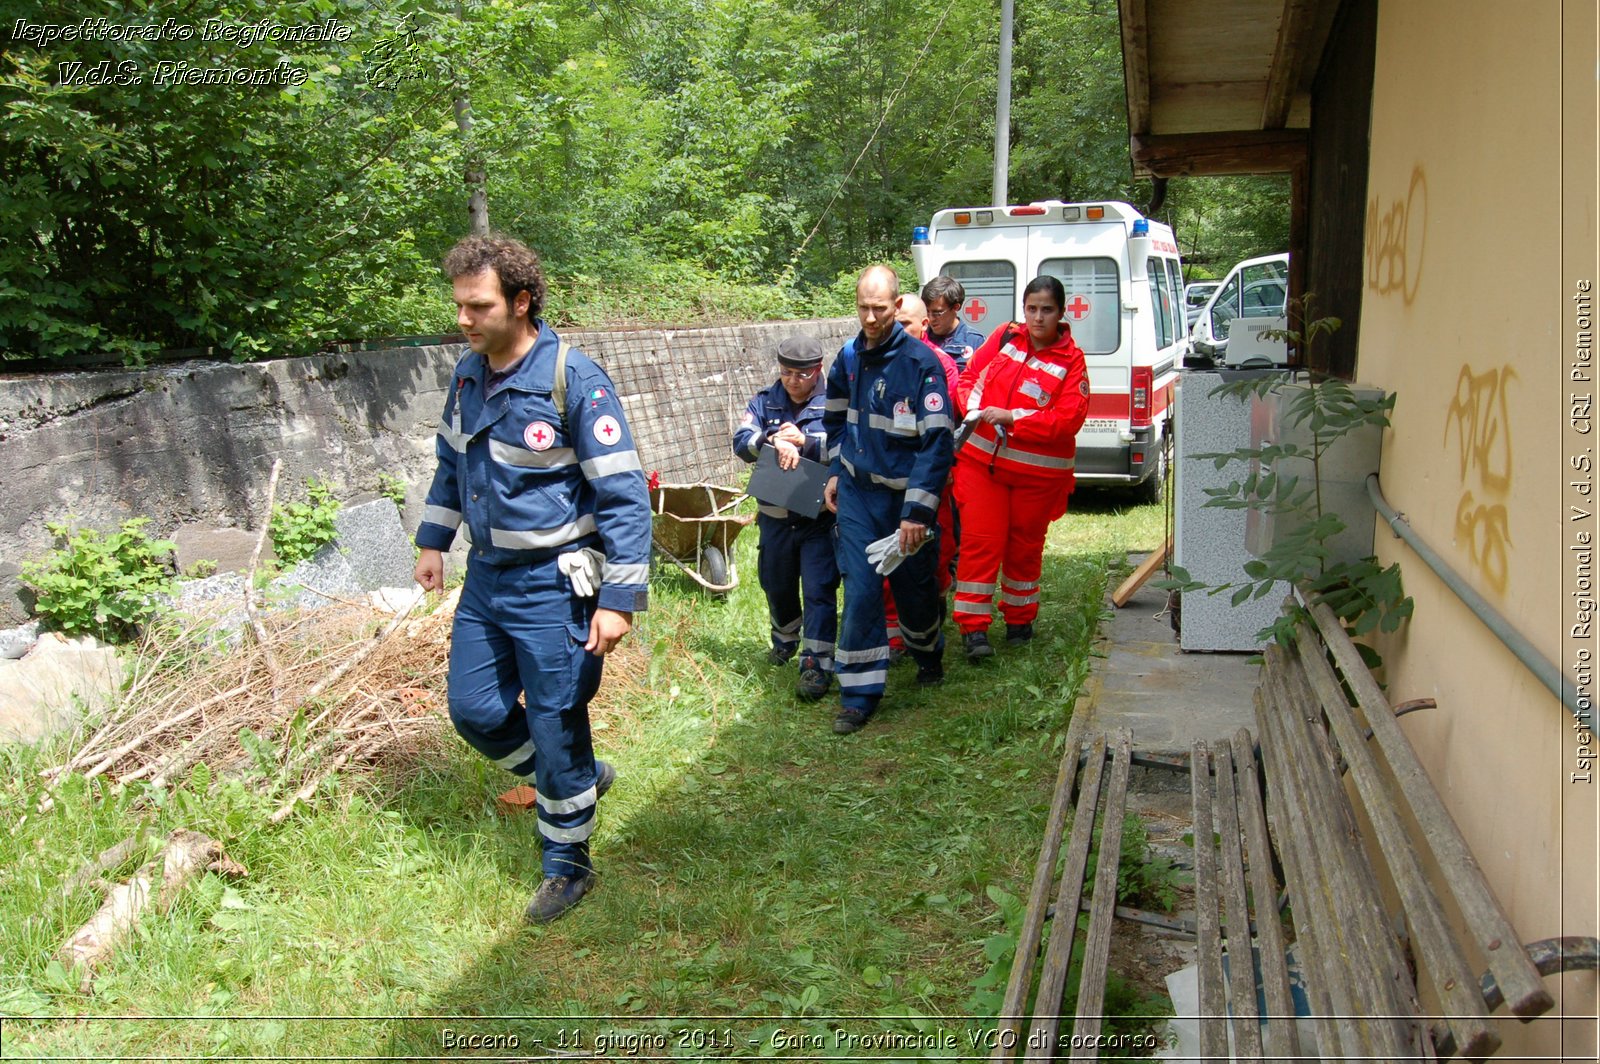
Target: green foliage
<point>1364,595</point>
<point>101,584</point>
<point>300,529</point>
<point>392,487</point>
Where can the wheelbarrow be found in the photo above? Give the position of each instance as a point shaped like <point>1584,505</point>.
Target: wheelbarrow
<point>694,529</point>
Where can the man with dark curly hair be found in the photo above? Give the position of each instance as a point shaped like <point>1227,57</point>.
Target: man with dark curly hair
<point>536,459</point>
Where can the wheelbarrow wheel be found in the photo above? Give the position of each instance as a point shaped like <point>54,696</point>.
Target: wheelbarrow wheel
<point>715,566</point>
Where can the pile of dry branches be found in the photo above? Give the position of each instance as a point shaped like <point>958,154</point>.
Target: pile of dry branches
<point>302,696</point>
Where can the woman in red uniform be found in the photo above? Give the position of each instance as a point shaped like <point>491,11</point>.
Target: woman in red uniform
<point>1030,389</point>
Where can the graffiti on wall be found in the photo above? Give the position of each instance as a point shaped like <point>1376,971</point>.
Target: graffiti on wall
<point>1479,422</point>
<point>1396,239</point>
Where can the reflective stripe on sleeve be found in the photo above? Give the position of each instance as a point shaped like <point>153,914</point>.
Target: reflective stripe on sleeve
<point>511,455</point>
<point>934,421</point>
<point>630,573</point>
<point>922,498</point>
<point>606,465</point>
<point>456,440</point>
<point>442,515</point>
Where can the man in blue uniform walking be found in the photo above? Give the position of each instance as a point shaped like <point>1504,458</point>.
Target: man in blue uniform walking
<point>947,331</point>
<point>536,459</point>
<point>797,556</point>
<point>889,443</point>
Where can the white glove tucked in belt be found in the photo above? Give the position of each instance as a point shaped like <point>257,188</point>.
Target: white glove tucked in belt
<point>583,568</point>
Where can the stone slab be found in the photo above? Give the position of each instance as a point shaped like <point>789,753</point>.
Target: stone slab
<point>375,544</point>
<point>47,691</point>
<point>228,548</point>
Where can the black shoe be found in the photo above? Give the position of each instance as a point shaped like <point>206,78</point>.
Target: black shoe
<point>813,681</point>
<point>780,655</point>
<point>896,656</point>
<point>556,895</point>
<point>604,777</point>
<point>930,675</point>
<point>1018,634</point>
<point>976,645</point>
<point>849,720</point>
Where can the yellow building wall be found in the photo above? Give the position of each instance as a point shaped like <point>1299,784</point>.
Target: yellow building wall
<point>1480,223</point>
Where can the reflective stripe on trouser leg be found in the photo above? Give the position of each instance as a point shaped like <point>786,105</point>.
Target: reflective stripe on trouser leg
<point>1034,505</point>
<point>819,581</point>
<point>861,662</point>
<point>517,630</point>
<point>985,517</point>
<point>921,607</point>
<point>778,568</point>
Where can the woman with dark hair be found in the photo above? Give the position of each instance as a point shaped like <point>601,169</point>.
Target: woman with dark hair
<point>1028,390</point>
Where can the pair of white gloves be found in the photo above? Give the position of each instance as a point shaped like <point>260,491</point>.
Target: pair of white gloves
<point>583,568</point>
<point>886,554</point>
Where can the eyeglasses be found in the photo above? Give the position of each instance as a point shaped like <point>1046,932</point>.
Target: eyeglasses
<point>799,374</point>
<point>945,313</point>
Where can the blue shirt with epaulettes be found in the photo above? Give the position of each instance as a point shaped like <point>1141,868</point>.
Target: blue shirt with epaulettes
<point>530,484</point>
<point>888,420</point>
<point>961,344</point>
<point>768,411</point>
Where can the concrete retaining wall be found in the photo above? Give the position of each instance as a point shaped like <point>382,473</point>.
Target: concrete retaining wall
<point>193,444</point>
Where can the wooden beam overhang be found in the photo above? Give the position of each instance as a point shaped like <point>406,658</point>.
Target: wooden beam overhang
<point>1208,154</point>
<point>1136,63</point>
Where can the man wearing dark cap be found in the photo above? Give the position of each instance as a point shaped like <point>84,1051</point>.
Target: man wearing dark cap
<point>797,562</point>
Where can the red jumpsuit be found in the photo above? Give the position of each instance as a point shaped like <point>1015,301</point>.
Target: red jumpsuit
<point>1009,492</point>
<point>946,518</point>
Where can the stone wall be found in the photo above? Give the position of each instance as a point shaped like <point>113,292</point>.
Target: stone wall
<point>190,446</point>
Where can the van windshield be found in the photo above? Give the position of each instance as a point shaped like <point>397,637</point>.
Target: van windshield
<point>1094,303</point>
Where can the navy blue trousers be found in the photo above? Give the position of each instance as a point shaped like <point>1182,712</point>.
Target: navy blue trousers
<point>866,514</point>
<point>800,575</point>
<point>519,630</point>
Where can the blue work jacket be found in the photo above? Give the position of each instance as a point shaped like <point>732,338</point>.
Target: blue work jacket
<point>529,483</point>
<point>888,420</point>
<point>767,412</point>
<point>961,344</point>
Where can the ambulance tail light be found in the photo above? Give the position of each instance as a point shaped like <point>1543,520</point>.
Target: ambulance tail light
<point>1094,214</point>
<point>963,217</point>
<point>1022,212</point>
<point>1143,384</point>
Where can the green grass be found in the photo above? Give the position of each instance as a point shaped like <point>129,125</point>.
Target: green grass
<point>754,864</point>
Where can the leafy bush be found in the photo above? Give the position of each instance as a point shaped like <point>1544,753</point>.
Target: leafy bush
<point>102,584</point>
<point>300,529</point>
<point>392,487</point>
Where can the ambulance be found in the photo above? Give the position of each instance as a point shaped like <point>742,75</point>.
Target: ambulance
<point>1124,285</point>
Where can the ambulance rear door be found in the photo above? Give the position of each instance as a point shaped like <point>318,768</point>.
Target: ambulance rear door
<point>987,261</point>
<point>1090,260</point>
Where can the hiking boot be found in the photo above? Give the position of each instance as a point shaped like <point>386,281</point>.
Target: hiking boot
<point>813,681</point>
<point>780,655</point>
<point>849,720</point>
<point>556,895</point>
<point>604,777</point>
<point>896,655</point>
<point>930,675</point>
<point>976,645</point>
<point>1018,634</point>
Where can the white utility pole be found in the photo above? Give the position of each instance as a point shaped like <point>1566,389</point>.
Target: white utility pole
<point>1002,109</point>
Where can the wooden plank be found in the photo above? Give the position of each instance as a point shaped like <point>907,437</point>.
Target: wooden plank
<point>1368,956</point>
<point>1288,61</point>
<point>1282,1038</point>
<point>1213,1004</point>
<point>1097,943</point>
<point>1120,597</point>
<point>1244,151</point>
<point>1136,63</point>
<point>1016,999</point>
<point>1329,1045</point>
<point>1431,935</point>
<point>1058,955</point>
<point>1241,959</point>
<point>1487,921</point>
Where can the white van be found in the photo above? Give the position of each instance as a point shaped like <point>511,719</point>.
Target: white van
<point>1124,283</point>
<point>1250,302</point>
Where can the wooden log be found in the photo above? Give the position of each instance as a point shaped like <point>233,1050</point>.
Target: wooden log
<point>1097,941</point>
<point>1208,961</point>
<point>1282,1039</point>
<point>1525,992</point>
<point>1241,957</point>
<point>1058,955</point>
<point>1012,1013</point>
<point>1136,580</point>
<point>186,855</point>
<point>1431,934</point>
